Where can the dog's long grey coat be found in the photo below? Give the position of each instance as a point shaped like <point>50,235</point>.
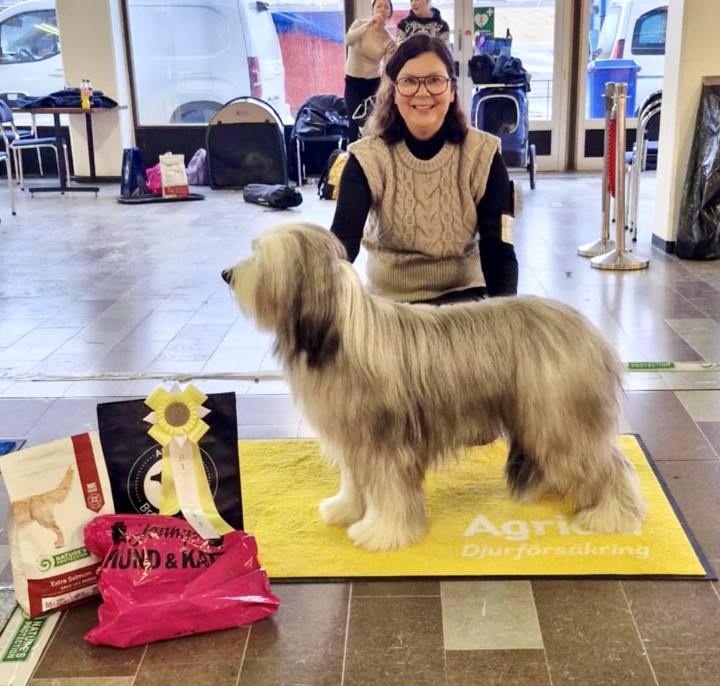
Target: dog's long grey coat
<point>392,389</point>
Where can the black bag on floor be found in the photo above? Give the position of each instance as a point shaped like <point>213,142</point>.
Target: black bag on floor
<point>133,182</point>
<point>698,228</point>
<point>273,195</point>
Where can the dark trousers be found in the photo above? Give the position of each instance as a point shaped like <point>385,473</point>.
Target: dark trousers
<point>454,297</point>
<point>356,90</point>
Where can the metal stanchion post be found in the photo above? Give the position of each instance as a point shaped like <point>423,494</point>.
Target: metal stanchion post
<point>604,244</point>
<point>619,259</point>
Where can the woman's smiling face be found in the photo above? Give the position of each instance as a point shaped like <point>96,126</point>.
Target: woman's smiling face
<point>424,113</point>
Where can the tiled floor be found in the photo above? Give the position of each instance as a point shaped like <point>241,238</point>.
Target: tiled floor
<point>92,287</point>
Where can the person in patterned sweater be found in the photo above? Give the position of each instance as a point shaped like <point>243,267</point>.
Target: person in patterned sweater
<point>422,19</point>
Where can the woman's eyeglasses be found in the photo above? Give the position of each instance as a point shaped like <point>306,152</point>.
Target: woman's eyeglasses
<point>410,85</point>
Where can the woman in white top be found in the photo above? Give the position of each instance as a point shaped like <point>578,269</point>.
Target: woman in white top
<point>368,42</point>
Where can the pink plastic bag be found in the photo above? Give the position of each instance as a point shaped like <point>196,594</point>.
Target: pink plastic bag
<point>154,179</point>
<point>159,580</point>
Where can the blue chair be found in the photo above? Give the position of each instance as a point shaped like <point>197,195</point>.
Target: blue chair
<point>16,143</point>
<point>5,159</point>
<point>13,99</point>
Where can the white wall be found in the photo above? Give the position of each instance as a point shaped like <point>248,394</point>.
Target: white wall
<point>693,51</point>
<point>92,48</point>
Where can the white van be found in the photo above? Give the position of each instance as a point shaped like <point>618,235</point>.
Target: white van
<point>636,30</point>
<point>30,59</point>
<point>191,57</point>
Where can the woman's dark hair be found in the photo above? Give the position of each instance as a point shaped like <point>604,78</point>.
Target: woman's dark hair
<point>385,120</point>
<point>389,2</point>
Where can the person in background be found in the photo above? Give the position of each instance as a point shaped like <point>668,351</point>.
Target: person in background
<point>368,44</point>
<point>422,19</point>
<point>426,195</point>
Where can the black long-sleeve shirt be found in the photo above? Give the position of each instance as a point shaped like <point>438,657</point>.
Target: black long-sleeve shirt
<point>497,257</point>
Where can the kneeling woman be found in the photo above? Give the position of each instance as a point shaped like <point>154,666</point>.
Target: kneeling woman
<point>426,195</point>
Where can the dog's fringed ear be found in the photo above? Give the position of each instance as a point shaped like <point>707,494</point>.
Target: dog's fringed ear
<point>316,335</point>
<point>315,315</point>
<point>302,290</point>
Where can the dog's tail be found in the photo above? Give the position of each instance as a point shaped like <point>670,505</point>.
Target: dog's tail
<point>620,508</point>
<point>61,491</point>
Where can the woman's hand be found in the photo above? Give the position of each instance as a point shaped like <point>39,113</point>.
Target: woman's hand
<point>377,21</point>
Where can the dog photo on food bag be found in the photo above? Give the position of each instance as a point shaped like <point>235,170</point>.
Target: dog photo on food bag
<point>392,389</point>
<point>41,508</point>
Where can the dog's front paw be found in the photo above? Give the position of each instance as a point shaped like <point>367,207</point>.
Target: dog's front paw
<point>375,537</point>
<point>338,511</point>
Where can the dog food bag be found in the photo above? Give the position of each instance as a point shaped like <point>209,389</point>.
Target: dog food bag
<point>160,579</point>
<point>55,489</point>
<point>174,176</point>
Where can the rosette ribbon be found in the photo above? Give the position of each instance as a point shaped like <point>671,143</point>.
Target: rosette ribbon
<point>177,425</point>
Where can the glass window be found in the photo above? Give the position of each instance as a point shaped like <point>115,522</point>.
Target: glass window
<point>532,28</point>
<point>608,34</point>
<point>312,40</point>
<point>29,37</point>
<point>191,57</point>
<point>649,33</point>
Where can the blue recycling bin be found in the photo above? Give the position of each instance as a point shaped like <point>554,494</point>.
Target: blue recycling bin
<point>601,72</point>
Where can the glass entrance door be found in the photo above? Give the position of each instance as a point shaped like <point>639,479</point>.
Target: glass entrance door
<point>623,41</point>
<point>535,32</point>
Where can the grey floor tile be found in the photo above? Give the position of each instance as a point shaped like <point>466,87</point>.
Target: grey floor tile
<point>37,389</point>
<point>675,667</point>
<point>272,409</point>
<point>362,589</point>
<point>678,615</point>
<point>268,432</point>
<point>395,640</point>
<point>695,486</point>
<point>666,428</point>
<point>497,668</point>
<point>269,388</point>
<point>19,415</point>
<point>305,638</point>
<point>711,431</point>
<point>7,603</point>
<point>85,681</point>
<point>589,634</point>
<point>66,417</point>
<point>69,655</point>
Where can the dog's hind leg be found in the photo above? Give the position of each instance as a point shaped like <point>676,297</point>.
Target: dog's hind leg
<point>523,473</point>
<point>347,505</point>
<point>394,512</point>
<point>612,505</point>
<point>46,519</point>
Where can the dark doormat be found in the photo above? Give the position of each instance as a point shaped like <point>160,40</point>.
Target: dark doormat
<point>143,199</point>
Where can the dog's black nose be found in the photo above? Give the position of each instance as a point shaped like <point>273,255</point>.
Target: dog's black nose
<point>227,275</point>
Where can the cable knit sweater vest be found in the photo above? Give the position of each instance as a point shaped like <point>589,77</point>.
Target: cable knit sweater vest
<point>420,232</point>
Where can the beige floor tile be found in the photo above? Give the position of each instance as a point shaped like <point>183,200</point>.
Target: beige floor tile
<point>489,615</point>
<point>702,406</point>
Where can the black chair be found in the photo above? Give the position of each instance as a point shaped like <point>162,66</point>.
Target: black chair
<point>322,118</point>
